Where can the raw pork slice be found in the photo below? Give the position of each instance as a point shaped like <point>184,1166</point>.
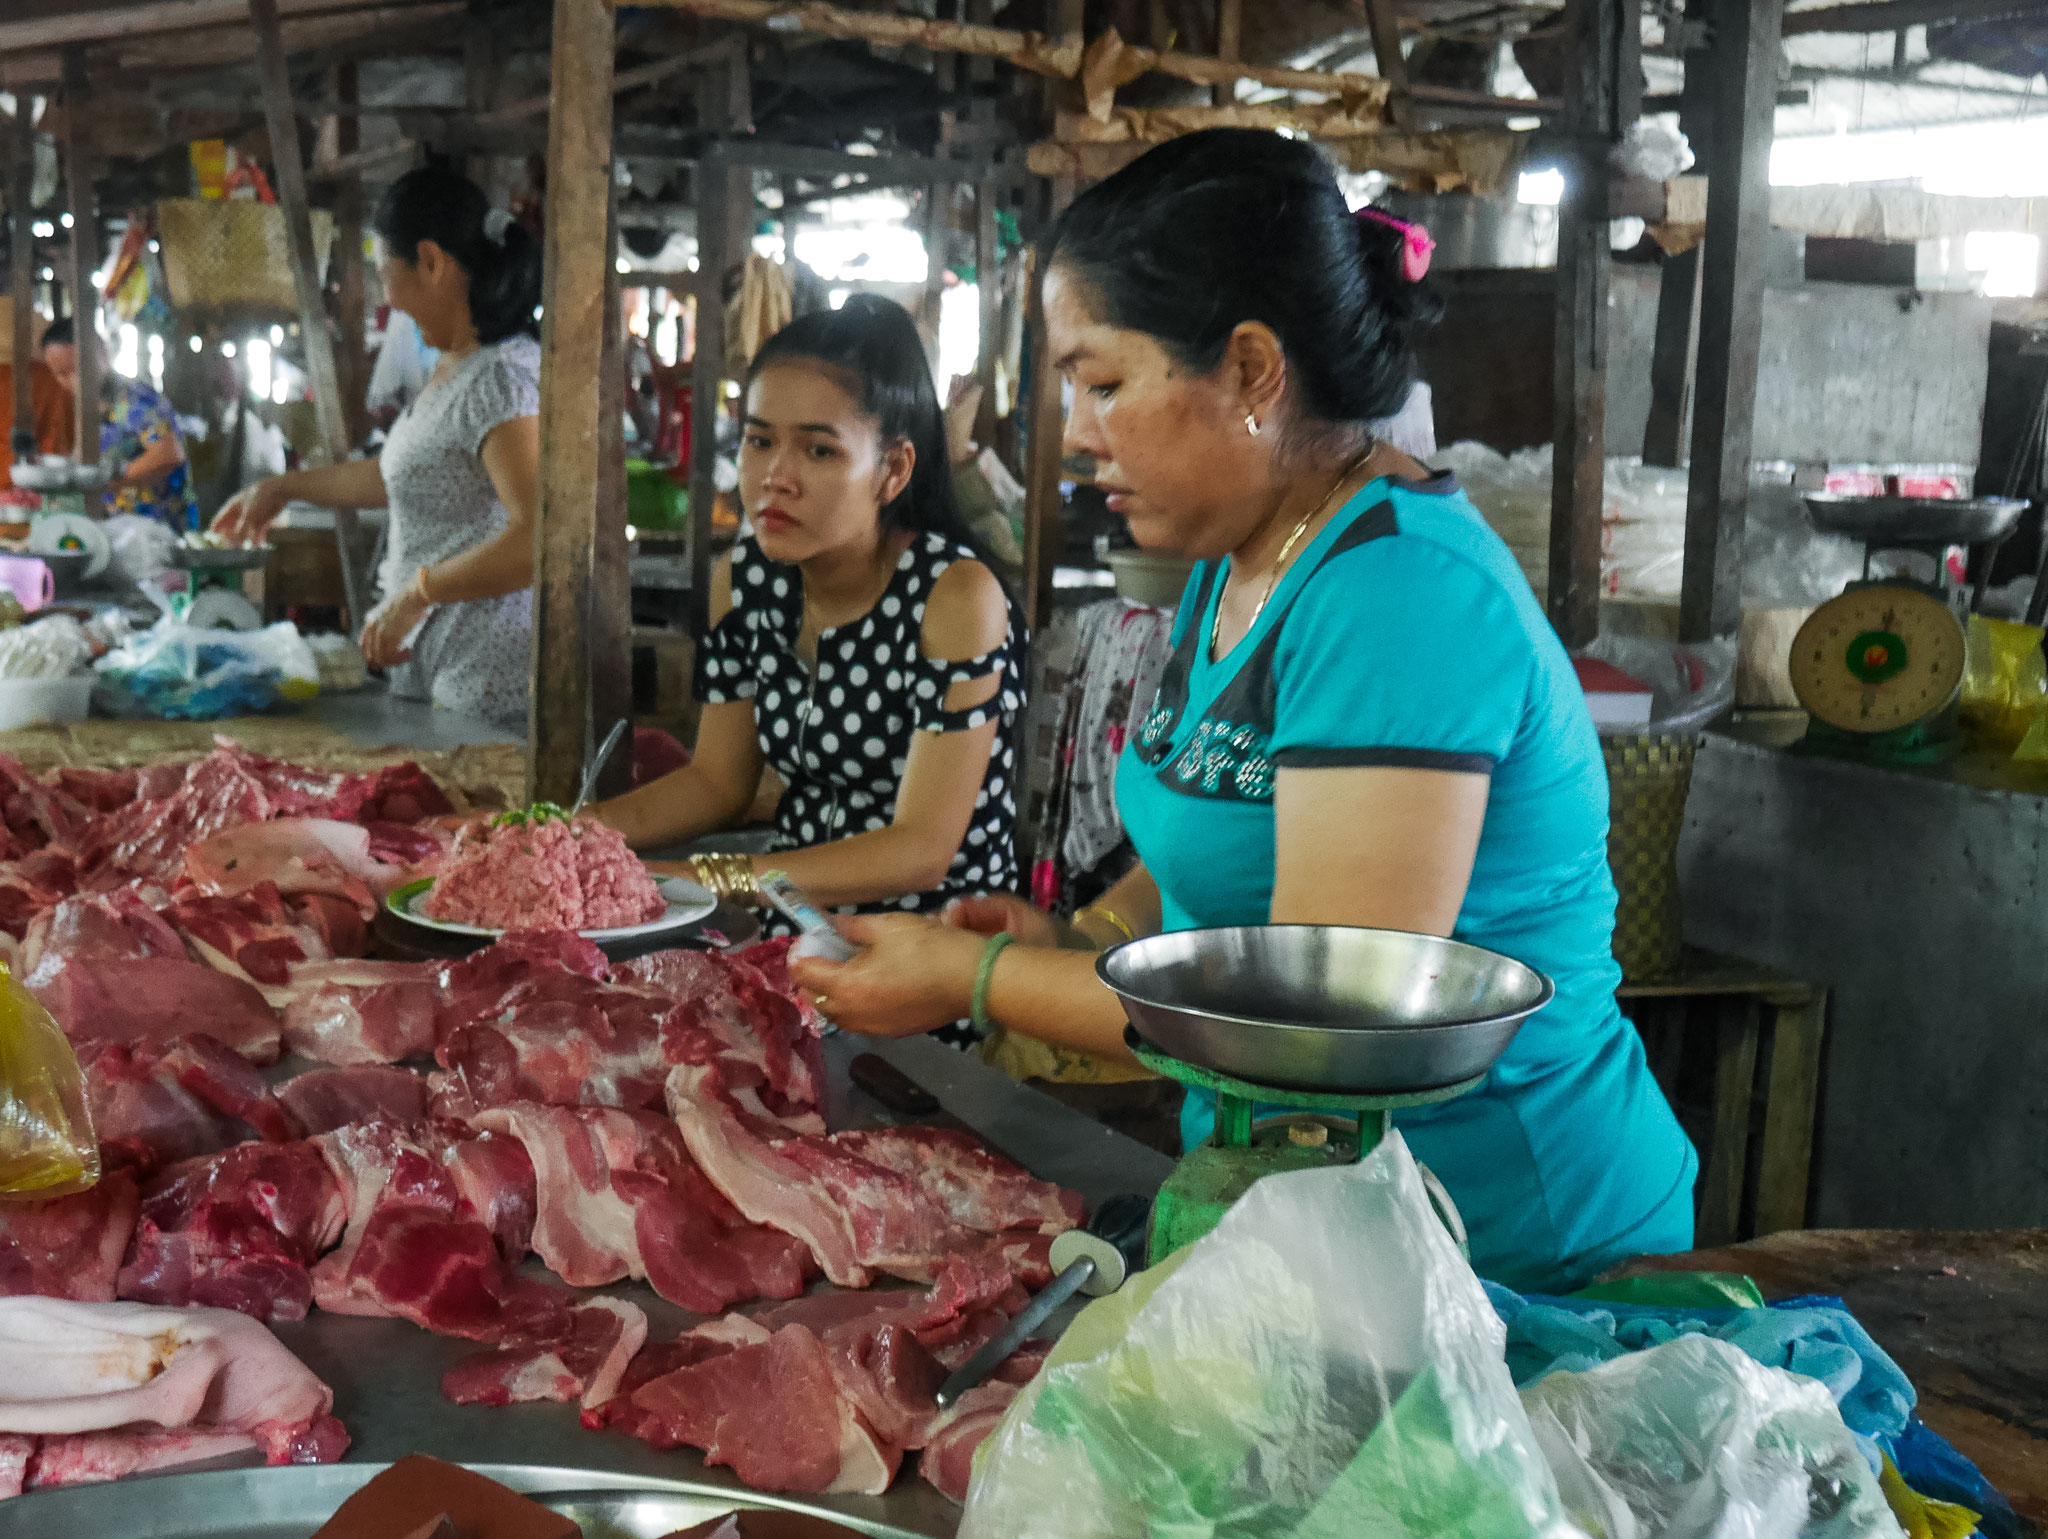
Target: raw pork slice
<point>396,794</point>
<point>767,1037</point>
<point>298,855</point>
<point>146,839</point>
<point>321,1100</point>
<point>155,1105</point>
<point>772,1412</point>
<point>585,1365</point>
<point>119,925</point>
<point>979,1188</point>
<point>238,1230</point>
<point>358,1012</point>
<point>35,814</point>
<point>154,999</point>
<point>858,1217</point>
<point>618,1196</point>
<point>437,1219</point>
<point>69,1247</point>
<point>31,884</point>
<point>103,1391</point>
<point>947,1463</point>
<point>253,936</point>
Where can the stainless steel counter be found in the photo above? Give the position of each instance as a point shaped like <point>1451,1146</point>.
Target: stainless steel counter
<point>372,716</point>
<point>386,1374</point>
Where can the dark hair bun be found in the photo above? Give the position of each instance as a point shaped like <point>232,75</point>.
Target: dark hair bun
<point>440,204</point>
<point>1230,225</point>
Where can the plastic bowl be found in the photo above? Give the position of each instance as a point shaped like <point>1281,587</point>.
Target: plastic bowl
<point>25,702</point>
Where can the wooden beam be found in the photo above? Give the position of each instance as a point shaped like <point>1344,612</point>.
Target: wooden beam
<point>1057,56</point>
<point>988,279</point>
<point>1595,46</point>
<point>306,39</point>
<point>355,162</point>
<point>625,80</point>
<point>282,119</point>
<point>85,256</point>
<point>716,181</point>
<point>1044,515</point>
<point>572,393</point>
<point>1894,15</point>
<point>1678,289</point>
<point>22,272</point>
<point>1743,63</point>
<point>132,21</point>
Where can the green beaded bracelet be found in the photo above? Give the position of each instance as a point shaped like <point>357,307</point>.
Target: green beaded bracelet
<point>977,1010</point>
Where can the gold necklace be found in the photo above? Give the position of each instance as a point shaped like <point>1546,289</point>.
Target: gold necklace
<point>1286,549</point>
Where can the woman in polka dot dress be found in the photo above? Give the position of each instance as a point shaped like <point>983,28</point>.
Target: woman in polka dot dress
<point>860,646</point>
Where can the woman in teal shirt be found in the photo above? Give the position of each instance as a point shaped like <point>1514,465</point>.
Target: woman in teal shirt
<point>1366,719</point>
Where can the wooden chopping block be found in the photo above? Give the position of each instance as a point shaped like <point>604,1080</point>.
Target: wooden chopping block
<point>1963,1312</point>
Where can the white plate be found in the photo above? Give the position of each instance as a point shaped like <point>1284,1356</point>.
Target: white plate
<point>687,903</point>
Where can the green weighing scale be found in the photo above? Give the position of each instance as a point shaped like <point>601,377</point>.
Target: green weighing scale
<point>1313,1020</point>
<point>1879,668</point>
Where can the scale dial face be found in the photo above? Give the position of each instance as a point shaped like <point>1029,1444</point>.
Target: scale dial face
<point>1877,659</point>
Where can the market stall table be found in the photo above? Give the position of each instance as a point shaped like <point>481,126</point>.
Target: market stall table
<point>1963,1312</point>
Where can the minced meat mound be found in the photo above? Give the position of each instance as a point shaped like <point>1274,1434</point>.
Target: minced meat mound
<point>546,874</point>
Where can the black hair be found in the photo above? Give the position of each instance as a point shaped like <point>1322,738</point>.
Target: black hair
<point>60,333</point>
<point>1229,225</point>
<point>874,344</point>
<point>440,204</point>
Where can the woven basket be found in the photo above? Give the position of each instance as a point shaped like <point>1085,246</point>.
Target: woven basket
<point>1647,779</point>
<point>230,256</point>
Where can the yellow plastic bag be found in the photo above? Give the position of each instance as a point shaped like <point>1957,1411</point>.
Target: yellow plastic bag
<point>47,1147</point>
<point>2005,682</point>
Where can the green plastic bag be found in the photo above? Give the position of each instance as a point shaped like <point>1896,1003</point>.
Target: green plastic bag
<point>1324,1363</point>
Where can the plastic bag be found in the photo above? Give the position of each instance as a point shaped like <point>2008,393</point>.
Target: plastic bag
<point>53,647</point>
<point>2005,682</point>
<point>1690,684</point>
<point>1323,1364</point>
<point>47,1147</point>
<point>143,548</point>
<point>182,673</point>
<point>1694,1440</point>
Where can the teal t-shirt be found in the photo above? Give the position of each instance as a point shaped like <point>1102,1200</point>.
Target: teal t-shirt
<point>1405,635</point>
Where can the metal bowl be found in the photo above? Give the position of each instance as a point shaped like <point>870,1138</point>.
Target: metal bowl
<point>1915,520</point>
<point>1325,1007</point>
<point>57,474</point>
<point>219,558</point>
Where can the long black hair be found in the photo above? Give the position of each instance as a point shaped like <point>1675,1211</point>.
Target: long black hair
<point>501,256</point>
<point>873,345</point>
<point>1230,225</point>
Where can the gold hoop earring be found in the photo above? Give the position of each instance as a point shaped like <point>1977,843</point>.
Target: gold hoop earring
<point>1251,424</point>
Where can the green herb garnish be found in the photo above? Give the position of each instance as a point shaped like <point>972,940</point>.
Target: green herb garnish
<point>539,812</point>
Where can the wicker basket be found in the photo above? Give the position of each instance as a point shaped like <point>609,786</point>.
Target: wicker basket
<point>230,257</point>
<point>1647,779</point>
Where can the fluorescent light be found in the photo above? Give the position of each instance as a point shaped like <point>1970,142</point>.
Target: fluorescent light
<point>1544,188</point>
<point>227,349</point>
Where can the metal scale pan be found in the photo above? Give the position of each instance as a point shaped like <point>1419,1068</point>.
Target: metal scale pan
<point>1887,522</point>
<point>1325,1007</point>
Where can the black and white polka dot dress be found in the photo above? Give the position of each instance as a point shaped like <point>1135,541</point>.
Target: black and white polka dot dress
<point>839,736</point>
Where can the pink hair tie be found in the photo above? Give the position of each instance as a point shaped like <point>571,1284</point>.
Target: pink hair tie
<point>1416,245</point>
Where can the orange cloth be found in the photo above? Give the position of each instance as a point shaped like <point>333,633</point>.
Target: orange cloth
<point>56,413</point>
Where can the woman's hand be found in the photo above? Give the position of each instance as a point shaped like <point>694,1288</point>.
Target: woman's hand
<point>384,633</point>
<point>1004,912</point>
<point>914,975</point>
<point>248,515</point>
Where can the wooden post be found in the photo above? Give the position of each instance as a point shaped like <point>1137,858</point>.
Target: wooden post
<point>85,258</point>
<point>22,271</point>
<point>579,275</point>
<point>283,122</point>
<point>1678,290</point>
<point>611,580</point>
<point>1385,25</point>
<point>483,70</point>
<point>352,359</point>
<point>1744,84</point>
<point>1601,42</point>
<point>715,177</point>
<point>988,276</point>
<point>937,224</point>
<point>1044,517</point>
<point>1229,44</point>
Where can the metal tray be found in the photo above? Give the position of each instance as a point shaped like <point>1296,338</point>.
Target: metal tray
<point>292,1501</point>
<point>1884,521</point>
<point>219,558</point>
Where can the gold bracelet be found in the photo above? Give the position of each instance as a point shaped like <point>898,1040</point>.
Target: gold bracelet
<point>1112,916</point>
<point>419,587</point>
<point>727,876</point>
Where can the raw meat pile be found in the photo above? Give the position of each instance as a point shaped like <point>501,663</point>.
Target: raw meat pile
<point>543,872</point>
<point>657,1121</point>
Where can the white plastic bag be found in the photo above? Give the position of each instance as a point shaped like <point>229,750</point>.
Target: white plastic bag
<point>1323,1364</point>
<point>1695,1439</point>
<point>179,672</point>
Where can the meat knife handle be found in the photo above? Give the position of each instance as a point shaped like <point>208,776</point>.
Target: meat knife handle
<point>1126,1222</point>
<point>1028,1319</point>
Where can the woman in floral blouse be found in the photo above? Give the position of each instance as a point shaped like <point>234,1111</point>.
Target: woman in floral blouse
<point>141,431</point>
